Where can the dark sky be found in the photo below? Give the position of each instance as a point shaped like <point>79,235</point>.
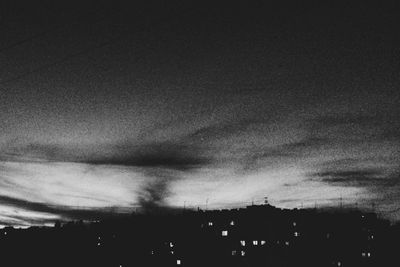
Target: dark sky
<point>109,106</point>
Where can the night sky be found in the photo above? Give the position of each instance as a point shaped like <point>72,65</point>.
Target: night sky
<point>110,107</point>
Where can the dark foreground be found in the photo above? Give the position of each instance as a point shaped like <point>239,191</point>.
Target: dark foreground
<point>255,236</point>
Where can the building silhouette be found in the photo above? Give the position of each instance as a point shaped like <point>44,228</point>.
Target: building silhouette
<point>258,235</point>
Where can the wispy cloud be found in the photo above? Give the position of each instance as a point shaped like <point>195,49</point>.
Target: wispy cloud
<point>379,180</point>
<point>358,177</point>
<point>58,211</point>
<point>169,155</point>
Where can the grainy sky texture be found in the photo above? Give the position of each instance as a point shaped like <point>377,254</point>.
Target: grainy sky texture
<point>111,107</point>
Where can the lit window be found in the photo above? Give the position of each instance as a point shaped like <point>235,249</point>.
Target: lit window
<point>233,252</point>
<point>99,238</point>
<point>232,223</point>
<point>242,253</point>
<point>287,243</point>
<point>296,234</point>
<point>210,223</point>
<point>368,254</point>
<point>98,244</point>
<point>263,242</point>
<point>171,245</point>
<point>243,243</point>
<point>172,252</point>
<point>255,242</point>
<point>5,233</point>
<point>178,262</point>
<point>224,233</point>
<point>294,224</point>
<point>339,264</point>
<point>363,254</point>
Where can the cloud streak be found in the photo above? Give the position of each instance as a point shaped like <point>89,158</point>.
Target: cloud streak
<point>58,211</point>
<point>169,155</point>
